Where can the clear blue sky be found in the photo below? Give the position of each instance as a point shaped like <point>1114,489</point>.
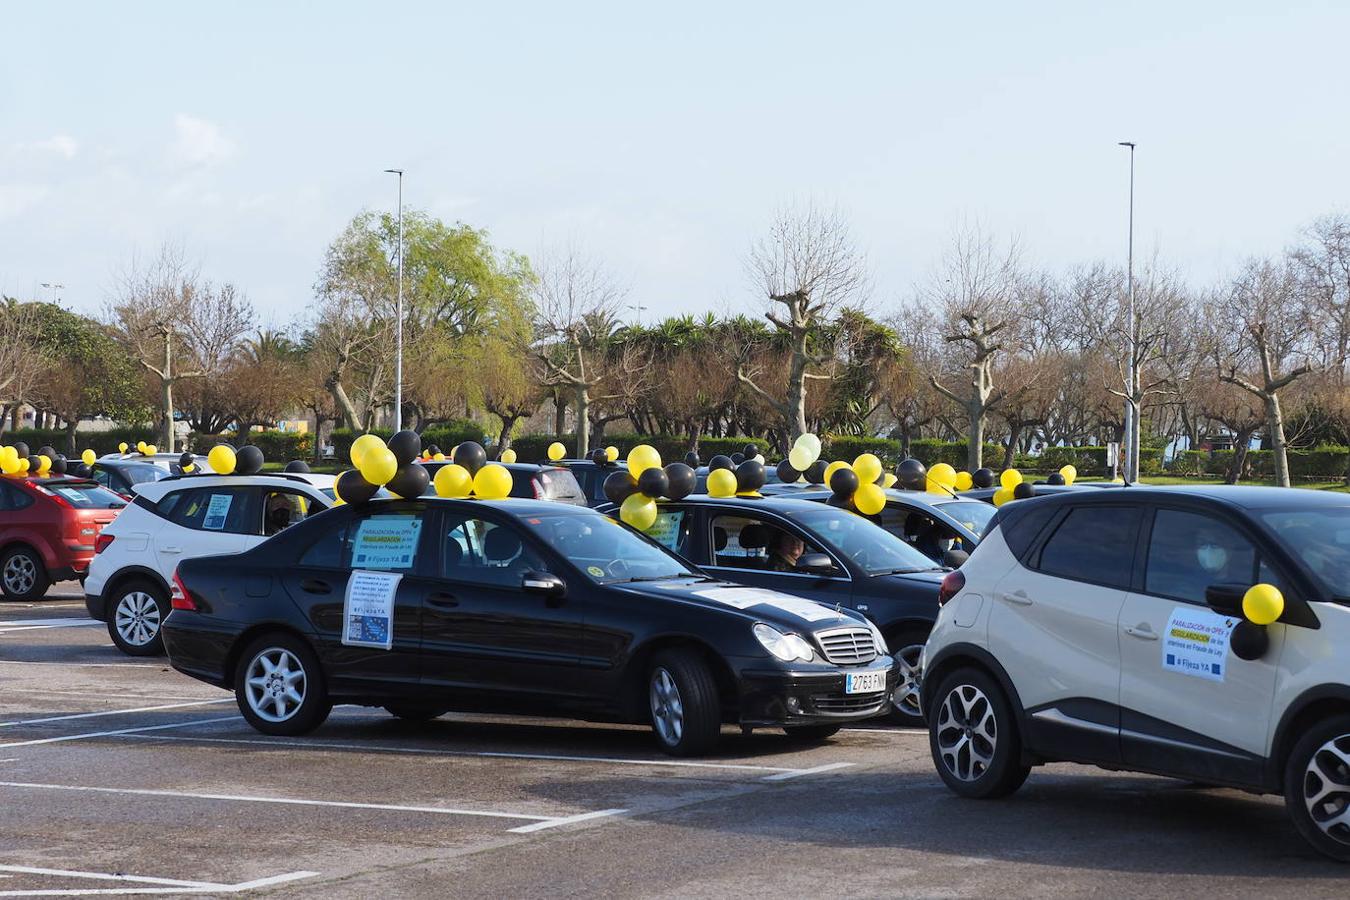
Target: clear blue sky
<point>660,138</point>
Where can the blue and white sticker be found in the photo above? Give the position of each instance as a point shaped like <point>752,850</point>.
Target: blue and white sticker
<point>216,511</point>
<point>744,598</point>
<point>368,609</point>
<point>1196,643</point>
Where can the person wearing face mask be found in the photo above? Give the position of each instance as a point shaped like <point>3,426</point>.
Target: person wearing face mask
<point>1211,554</point>
<point>278,514</point>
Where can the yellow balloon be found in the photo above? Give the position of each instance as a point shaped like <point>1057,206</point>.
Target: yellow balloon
<point>1069,473</point>
<point>811,444</point>
<point>363,445</point>
<point>1263,604</point>
<point>44,464</point>
<point>9,466</point>
<point>721,483</point>
<point>221,459</point>
<point>151,449</point>
<point>556,451</point>
<point>835,467</point>
<point>378,465</point>
<point>190,467</point>
<point>963,481</point>
<point>140,446</point>
<point>338,501</point>
<point>122,447</point>
<point>508,455</point>
<point>641,458</point>
<point>1002,496</point>
<point>23,465</point>
<point>493,482</point>
<point>439,457</point>
<point>638,510</point>
<point>612,453</point>
<point>943,474</point>
<point>799,458</point>
<point>453,481</point>
<point>88,456</point>
<point>890,481</point>
<point>1010,478</point>
<point>868,468</point>
<point>869,499</point>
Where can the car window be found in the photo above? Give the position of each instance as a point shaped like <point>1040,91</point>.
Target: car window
<point>6,498</point>
<point>1187,552</point>
<point>920,531</point>
<point>1095,544</point>
<point>102,476</point>
<point>387,542</point>
<point>749,542</point>
<point>1320,539</point>
<point>971,513</point>
<point>1020,524</point>
<point>282,508</point>
<point>605,551</point>
<point>222,509</point>
<point>86,495</point>
<point>873,549</point>
<point>143,473</point>
<point>483,552</point>
<point>560,484</point>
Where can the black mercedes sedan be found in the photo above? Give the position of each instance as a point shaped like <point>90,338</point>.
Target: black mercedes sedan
<point>514,606</point>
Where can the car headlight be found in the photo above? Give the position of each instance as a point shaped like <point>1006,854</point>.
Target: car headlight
<point>877,638</point>
<point>787,647</point>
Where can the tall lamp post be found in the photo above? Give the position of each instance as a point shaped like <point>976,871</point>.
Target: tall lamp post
<point>1132,429</point>
<point>398,328</point>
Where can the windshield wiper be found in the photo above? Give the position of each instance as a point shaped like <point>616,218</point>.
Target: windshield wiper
<point>656,577</point>
<point>910,571</point>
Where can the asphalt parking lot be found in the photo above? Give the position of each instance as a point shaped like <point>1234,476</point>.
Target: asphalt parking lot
<point>119,776</point>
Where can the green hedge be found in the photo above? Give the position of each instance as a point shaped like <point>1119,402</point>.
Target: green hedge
<point>444,436</point>
<point>100,442</point>
<point>1327,461</point>
<point>534,447</point>
<point>1091,461</point>
<point>276,446</point>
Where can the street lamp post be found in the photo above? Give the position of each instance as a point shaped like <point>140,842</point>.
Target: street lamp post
<point>1132,428</point>
<point>398,328</point>
<point>54,288</point>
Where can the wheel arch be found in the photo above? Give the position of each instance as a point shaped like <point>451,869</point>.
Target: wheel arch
<point>634,679</point>
<point>1309,708</point>
<point>133,573</point>
<point>956,656</point>
<point>22,543</point>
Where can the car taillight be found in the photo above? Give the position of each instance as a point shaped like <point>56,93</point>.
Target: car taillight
<point>179,598</point>
<point>102,542</point>
<point>951,586</point>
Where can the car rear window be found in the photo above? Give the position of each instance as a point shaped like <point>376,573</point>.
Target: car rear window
<point>84,495</point>
<point>549,484</point>
<point>142,474</point>
<point>1093,544</point>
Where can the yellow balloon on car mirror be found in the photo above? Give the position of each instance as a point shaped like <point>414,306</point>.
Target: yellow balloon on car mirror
<point>638,510</point>
<point>493,482</point>
<point>721,483</point>
<point>869,499</point>
<point>1010,478</point>
<point>508,455</point>
<point>641,458</point>
<point>1069,473</point>
<point>1002,496</point>
<point>221,459</point>
<point>556,451</point>
<point>378,465</point>
<point>1263,604</point>
<point>964,481</point>
<point>453,481</point>
<point>867,467</point>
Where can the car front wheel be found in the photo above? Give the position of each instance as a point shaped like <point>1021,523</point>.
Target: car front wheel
<point>908,651</point>
<point>280,687</point>
<point>1317,787</point>
<point>682,695</point>
<point>22,574</point>
<point>973,737</point>
<point>138,611</point>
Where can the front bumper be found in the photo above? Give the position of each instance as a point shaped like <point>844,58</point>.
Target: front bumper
<point>811,694</point>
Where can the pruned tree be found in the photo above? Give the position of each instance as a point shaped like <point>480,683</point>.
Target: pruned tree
<point>21,359</point>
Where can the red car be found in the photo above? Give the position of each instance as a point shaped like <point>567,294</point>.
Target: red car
<point>48,529</point>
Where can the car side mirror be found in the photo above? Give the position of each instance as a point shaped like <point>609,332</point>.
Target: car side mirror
<point>1226,599</point>
<point>815,563</point>
<point>545,584</point>
<point>954,558</point>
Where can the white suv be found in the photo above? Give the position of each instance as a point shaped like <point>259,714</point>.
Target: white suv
<point>176,518</point>
<point>1106,627</point>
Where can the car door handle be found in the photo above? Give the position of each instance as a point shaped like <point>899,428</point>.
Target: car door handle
<point>442,601</point>
<point>315,586</point>
<point>1142,631</point>
<point>170,549</point>
<point>1019,598</point>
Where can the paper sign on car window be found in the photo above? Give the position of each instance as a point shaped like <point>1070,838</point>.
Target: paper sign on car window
<point>386,542</point>
<point>216,511</point>
<point>1196,643</point>
<point>368,609</point>
<point>666,529</point>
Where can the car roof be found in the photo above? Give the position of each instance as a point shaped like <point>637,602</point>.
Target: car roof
<point>740,501</point>
<point>154,490</point>
<point>52,479</point>
<point>1239,496</point>
<point>516,506</point>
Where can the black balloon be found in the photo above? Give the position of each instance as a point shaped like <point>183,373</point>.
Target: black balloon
<point>619,486</point>
<point>297,465</point>
<point>786,473</point>
<point>59,465</point>
<point>737,458</point>
<point>406,446</point>
<point>720,462</point>
<point>34,464</point>
<point>816,474</point>
<point>411,480</point>
<point>750,476</point>
<point>185,459</point>
<point>599,456</point>
<point>844,482</point>
<point>1023,490</point>
<point>1055,478</point>
<point>750,451</point>
<point>48,451</point>
<point>248,461</point>
<point>691,459</point>
<point>681,481</point>
<point>1249,641</point>
<point>471,456</point>
<point>433,449</point>
<point>982,478</point>
<point>21,449</point>
<point>82,470</point>
<point>653,482</point>
<point>352,488</point>
<point>912,475</point>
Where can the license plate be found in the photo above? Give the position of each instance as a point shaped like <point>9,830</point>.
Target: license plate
<point>864,682</point>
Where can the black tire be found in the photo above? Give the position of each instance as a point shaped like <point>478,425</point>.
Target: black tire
<point>1313,769</point>
<point>906,646</point>
<point>284,654</point>
<point>23,576</point>
<point>411,712</point>
<point>136,613</point>
<point>811,732</point>
<point>693,724</point>
<point>973,736</point>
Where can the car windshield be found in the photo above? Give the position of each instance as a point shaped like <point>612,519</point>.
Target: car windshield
<point>607,552</point>
<point>871,547</point>
<point>971,513</point>
<point>143,473</point>
<point>1320,539</point>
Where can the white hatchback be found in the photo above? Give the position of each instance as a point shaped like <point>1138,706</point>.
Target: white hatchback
<point>1108,627</point>
<point>176,518</point>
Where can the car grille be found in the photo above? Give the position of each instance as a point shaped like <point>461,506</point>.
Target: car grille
<point>847,646</point>
<point>848,703</point>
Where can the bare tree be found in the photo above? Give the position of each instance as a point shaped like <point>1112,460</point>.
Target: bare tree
<point>808,267</point>
<point>1323,267</point>
<point>22,362</point>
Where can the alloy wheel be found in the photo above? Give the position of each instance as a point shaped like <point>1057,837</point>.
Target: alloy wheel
<point>1326,788</point>
<point>137,618</point>
<point>667,708</point>
<point>906,694</point>
<point>967,732</point>
<point>20,574</point>
<point>275,684</point>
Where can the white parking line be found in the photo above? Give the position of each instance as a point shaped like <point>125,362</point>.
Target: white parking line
<point>36,624</point>
<point>116,732</point>
<point>169,885</point>
<point>780,773</point>
<point>80,665</point>
<point>115,712</point>
<point>539,822</point>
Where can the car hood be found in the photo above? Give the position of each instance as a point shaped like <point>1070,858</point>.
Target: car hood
<point>913,579</point>
<point>783,611</point>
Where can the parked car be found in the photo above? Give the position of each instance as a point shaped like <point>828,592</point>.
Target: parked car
<point>121,473</point>
<point>532,481</point>
<point>517,606</point>
<point>592,477</point>
<point>49,527</point>
<point>176,518</point>
<point>841,559</point>
<point>1106,627</point>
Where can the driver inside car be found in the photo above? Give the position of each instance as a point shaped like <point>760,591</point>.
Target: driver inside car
<point>784,552</point>
<point>278,514</point>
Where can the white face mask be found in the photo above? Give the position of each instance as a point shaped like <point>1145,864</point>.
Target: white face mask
<point>1211,557</point>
